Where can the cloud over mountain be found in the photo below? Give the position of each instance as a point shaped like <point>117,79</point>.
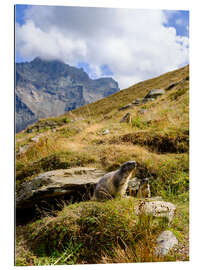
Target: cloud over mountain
<point>133,44</point>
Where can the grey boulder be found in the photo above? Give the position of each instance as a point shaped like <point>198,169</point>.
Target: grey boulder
<point>126,118</point>
<point>154,93</point>
<point>125,107</point>
<point>52,184</point>
<point>165,241</point>
<point>35,139</point>
<point>137,101</point>
<point>22,149</point>
<point>157,209</point>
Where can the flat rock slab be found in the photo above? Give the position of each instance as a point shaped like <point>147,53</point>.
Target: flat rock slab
<point>125,107</point>
<point>165,241</point>
<point>154,93</point>
<point>156,209</point>
<point>56,183</point>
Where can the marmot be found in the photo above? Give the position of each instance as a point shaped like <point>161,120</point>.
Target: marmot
<point>139,188</point>
<point>114,183</point>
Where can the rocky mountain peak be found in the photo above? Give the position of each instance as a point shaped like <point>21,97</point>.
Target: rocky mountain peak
<point>52,87</point>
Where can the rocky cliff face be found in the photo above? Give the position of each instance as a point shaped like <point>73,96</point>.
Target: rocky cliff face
<point>50,88</point>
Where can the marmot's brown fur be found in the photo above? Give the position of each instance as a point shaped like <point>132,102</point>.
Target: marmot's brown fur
<point>114,183</point>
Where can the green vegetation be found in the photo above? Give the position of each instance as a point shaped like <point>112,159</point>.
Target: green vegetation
<point>93,232</point>
<point>108,229</point>
<point>49,123</point>
<point>139,123</point>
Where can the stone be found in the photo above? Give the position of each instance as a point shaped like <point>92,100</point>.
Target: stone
<point>105,132</point>
<point>125,107</point>
<point>137,101</point>
<point>154,93</point>
<point>139,188</point>
<point>165,241</point>
<point>126,118</point>
<point>74,182</point>
<point>156,209</point>
<point>35,139</point>
<point>171,86</point>
<point>22,149</point>
<point>29,130</point>
<point>78,183</point>
<point>145,100</point>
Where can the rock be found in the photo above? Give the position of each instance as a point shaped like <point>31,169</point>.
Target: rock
<point>80,118</point>
<point>145,100</point>
<point>139,188</point>
<point>105,132</point>
<point>165,241</point>
<point>137,101</point>
<point>22,149</point>
<point>157,209</point>
<point>126,118</point>
<point>35,139</point>
<point>29,130</point>
<point>171,86</point>
<point>142,111</point>
<point>154,93</point>
<point>74,182</point>
<point>125,107</point>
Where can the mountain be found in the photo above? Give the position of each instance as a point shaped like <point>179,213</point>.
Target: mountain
<point>50,88</point>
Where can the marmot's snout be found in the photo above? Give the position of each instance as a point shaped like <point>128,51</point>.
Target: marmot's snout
<point>129,165</point>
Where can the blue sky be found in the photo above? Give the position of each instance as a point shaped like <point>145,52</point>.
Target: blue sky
<point>128,44</point>
<point>20,13</point>
<point>180,21</point>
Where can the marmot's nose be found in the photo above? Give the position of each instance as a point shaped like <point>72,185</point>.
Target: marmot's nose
<point>132,162</point>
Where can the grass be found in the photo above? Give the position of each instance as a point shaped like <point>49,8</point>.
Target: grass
<point>109,232</point>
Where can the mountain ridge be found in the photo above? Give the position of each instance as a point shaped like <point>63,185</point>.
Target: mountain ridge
<point>51,87</point>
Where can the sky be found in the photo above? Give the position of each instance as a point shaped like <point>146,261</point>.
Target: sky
<point>130,45</point>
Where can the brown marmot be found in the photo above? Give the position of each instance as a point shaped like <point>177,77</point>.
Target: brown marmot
<point>114,183</point>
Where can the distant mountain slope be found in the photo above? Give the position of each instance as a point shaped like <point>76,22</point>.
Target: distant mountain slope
<point>139,90</point>
<point>50,88</point>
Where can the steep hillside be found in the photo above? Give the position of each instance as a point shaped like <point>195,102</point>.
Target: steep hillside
<point>50,88</point>
<point>156,137</point>
<point>123,97</point>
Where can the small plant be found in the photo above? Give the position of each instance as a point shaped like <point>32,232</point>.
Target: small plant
<point>138,122</point>
<point>178,93</point>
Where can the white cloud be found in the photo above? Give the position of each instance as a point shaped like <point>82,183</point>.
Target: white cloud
<point>135,44</point>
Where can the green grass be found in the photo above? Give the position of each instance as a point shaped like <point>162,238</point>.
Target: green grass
<point>92,232</point>
<point>139,122</point>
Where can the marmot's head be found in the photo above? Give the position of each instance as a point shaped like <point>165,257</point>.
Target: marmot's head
<point>128,167</point>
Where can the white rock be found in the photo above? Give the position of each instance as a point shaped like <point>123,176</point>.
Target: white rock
<point>35,139</point>
<point>155,93</point>
<point>165,241</point>
<point>23,149</point>
<point>106,131</point>
<point>156,209</point>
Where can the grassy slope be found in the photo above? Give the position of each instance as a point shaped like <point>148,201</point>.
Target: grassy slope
<point>157,140</point>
